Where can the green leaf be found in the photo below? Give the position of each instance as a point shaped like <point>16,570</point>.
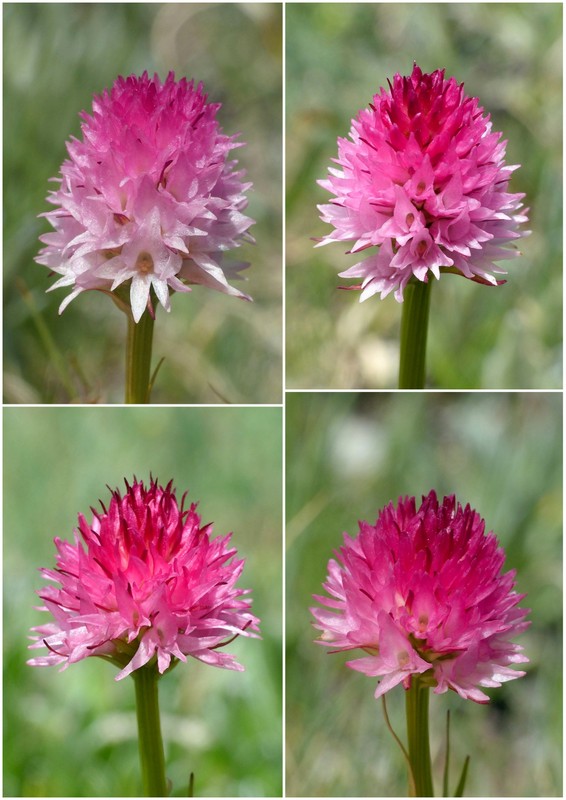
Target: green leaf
<point>462,782</point>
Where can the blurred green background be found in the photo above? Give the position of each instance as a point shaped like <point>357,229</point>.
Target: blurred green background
<point>510,56</point>
<point>74,733</point>
<point>56,56</point>
<point>348,455</point>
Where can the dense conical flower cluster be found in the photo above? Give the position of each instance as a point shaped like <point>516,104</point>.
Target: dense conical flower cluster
<point>148,584</point>
<point>423,178</point>
<point>422,592</point>
<point>148,195</point>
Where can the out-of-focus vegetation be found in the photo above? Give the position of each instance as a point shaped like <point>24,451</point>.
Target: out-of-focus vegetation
<point>73,734</point>
<point>56,56</point>
<point>510,56</point>
<point>347,457</point>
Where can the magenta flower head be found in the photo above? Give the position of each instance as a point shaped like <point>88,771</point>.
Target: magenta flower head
<point>422,592</point>
<point>423,178</point>
<point>148,197</point>
<point>147,584</point>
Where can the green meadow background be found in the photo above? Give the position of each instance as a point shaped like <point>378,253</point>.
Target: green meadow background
<point>73,734</point>
<point>338,55</point>
<point>348,456</point>
<point>56,56</point>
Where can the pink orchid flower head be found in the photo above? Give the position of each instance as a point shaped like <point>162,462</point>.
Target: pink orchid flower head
<point>149,197</point>
<point>422,592</point>
<point>147,584</point>
<point>422,178</point>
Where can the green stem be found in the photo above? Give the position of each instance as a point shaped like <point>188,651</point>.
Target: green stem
<point>446,774</point>
<point>138,358</point>
<point>149,732</point>
<point>412,792</point>
<point>416,699</point>
<point>414,325</point>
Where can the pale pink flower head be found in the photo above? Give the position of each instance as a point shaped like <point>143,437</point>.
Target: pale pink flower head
<point>423,178</point>
<point>422,592</point>
<point>147,584</point>
<point>148,197</point>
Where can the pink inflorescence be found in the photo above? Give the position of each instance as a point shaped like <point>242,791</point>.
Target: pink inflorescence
<point>422,593</point>
<point>148,195</point>
<point>423,178</point>
<point>149,584</point>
